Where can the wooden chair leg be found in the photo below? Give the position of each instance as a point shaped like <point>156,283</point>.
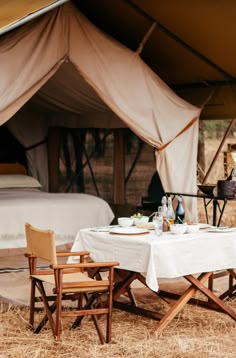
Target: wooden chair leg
<point>98,329</point>
<point>49,310</point>
<point>80,301</point>
<point>89,301</point>
<point>110,305</point>
<point>45,318</point>
<point>109,319</point>
<point>58,316</point>
<point>32,303</point>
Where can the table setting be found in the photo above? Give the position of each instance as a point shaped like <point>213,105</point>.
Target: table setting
<point>161,255</point>
<point>147,255</point>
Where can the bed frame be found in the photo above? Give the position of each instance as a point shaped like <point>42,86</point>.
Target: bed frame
<point>12,168</point>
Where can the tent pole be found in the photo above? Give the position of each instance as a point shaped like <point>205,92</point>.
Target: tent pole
<point>119,167</point>
<point>54,143</point>
<point>140,148</point>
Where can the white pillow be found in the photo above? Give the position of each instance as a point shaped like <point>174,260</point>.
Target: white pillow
<point>18,181</point>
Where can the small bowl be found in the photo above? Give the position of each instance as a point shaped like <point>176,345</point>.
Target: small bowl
<point>141,220</point>
<point>125,222</point>
<point>206,188</point>
<point>178,229</point>
<point>192,228</point>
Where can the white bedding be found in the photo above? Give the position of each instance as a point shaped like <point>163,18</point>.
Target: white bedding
<point>63,213</point>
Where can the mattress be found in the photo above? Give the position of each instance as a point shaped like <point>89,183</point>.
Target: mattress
<point>63,213</point>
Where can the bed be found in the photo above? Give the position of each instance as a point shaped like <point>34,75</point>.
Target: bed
<point>21,200</point>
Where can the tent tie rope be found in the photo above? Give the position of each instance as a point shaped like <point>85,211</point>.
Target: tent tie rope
<point>193,121</point>
<point>209,97</point>
<point>145,38</point>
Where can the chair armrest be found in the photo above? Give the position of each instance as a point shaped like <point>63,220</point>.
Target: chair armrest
<point>79,253</point>
<point>85,265</point>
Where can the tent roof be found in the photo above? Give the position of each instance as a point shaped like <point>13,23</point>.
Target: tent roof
<point>191,45</point>
<point>16,12</point>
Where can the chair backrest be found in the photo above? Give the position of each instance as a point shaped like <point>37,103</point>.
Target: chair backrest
<point>41,243</point>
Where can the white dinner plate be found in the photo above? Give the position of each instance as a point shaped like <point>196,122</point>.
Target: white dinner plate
<point>102,228</point>
<point>221,229</point>
<point>128,231</point>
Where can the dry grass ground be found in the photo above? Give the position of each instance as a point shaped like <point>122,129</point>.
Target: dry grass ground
<point>228,219</point>
<point>195,333</point>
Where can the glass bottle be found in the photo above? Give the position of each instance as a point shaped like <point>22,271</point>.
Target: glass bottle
<point>164,206</point>
<point>179,212</point>
<point>164,213</point>
<point>170,214</point>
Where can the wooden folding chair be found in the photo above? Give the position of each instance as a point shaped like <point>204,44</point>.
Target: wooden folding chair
<point>69,282</point>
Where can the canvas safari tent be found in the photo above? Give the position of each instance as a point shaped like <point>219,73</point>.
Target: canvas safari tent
<point>60,70</point>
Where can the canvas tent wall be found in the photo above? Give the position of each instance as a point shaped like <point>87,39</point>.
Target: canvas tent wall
<point>115,82</point>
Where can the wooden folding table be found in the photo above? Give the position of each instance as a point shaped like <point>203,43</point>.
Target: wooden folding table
<point>147,257</point>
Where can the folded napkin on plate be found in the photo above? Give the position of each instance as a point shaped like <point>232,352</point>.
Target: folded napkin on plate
<point>149,226</point>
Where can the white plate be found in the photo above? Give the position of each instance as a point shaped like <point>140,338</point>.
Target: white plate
<point>102,228</point>
<point>221,229</point>
<point>129,231</point>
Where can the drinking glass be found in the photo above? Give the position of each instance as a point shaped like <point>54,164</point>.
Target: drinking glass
<point>158,222</point>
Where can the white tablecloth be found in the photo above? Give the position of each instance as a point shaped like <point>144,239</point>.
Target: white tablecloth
<point>167,256</point>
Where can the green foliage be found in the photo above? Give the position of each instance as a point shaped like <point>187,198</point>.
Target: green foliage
<point>215,128</point>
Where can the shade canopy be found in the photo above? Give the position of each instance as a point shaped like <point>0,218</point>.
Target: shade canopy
<point>60,69</point>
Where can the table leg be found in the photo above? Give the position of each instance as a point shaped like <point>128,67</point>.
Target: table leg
<point>221,211</point>
<point>206,212</point>
<point>208,293</point>
<point>215,203</point>
<point>179,304</point>
<point>196,284</point>
<point>124,285</point>
<point>231,292</point>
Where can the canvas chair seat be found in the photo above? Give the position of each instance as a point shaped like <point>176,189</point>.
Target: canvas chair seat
<point>81,281</point>
<point>70,278</point>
